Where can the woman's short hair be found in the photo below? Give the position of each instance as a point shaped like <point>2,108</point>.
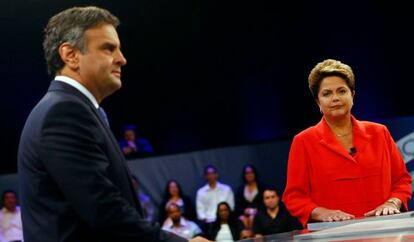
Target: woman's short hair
<point>326,68</point>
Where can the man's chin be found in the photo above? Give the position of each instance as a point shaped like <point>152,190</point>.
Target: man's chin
<point>112,87</point>
<point>116,84</point>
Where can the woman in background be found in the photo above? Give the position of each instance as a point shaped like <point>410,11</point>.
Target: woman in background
<point>227,227</point>
<point>249,196</point>
<point>174,194</point>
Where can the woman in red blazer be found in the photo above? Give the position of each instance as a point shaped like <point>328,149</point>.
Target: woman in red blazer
<point>343,168</point>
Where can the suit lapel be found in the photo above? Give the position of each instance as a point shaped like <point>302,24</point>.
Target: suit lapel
<point>121,159</point>
<point>61,86</point>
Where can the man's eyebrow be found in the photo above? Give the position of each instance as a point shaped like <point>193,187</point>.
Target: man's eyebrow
<point>108,45</point>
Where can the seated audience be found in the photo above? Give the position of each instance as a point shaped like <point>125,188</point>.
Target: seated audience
<point>147,206</point>
<point>10,219</point>
<point>249,196</point>
<point>227,227</point>
<point>132,145</point>
<point>274,218</point>
<point>174,194</point>
<point>178,224</point>
<point>210,195</point>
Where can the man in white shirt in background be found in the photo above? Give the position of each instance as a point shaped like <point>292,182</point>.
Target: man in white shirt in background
<point>10,220</point>
<point>210,195</point>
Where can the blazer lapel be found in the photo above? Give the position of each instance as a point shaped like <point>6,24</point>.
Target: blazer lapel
<point>328,140</point>
<point>361,137</point>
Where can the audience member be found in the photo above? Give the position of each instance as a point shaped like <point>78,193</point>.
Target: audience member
<point>212,194</point>
<point>249,196</point>
<point>146,202</point>
<point>10,219</point>
<point>133,145</point>
<point>227,227</point>
<point>178,224</point>
<point>174,194</point>
<point>275,218</point>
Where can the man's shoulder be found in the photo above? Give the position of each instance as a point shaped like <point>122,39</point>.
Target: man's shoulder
<point>64,108</point>
<point>59,100</point>
<point>192,225</point>
<point>202,189</point>
<point>224,187</point>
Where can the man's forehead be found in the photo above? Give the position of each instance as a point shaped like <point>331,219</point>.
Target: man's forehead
<point>211,170</point>
<point>103,34</point>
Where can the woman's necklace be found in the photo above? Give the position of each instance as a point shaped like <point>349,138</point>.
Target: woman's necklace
<point>343,135</point>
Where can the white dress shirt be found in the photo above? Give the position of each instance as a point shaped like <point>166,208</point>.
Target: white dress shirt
<point>11,225</point>
<point>187,229</point>
<point>208,198</point>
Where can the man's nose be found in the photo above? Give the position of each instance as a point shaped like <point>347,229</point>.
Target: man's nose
<point>120,59</point>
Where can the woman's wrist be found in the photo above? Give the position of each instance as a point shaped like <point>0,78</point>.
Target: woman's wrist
<point>395,201</point>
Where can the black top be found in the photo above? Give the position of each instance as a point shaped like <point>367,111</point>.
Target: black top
<point>283,222</point>
<point>242,203</point>
<point>235,225</point>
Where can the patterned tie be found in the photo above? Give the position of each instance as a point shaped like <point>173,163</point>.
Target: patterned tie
<point>103,116</point>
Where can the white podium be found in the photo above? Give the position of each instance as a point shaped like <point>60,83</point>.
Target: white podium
<point>392,228</point>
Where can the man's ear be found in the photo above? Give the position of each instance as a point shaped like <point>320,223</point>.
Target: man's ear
<point>69,55</point>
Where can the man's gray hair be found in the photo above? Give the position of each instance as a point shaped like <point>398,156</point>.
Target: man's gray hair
<point>69,26</point>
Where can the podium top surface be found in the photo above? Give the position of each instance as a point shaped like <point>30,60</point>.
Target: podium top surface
<point>327,225</point>
<point>374,229</point>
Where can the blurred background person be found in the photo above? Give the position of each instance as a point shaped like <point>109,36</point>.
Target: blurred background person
<point>212,194</point>
<point>227,227</point>
<point>178,224</point>
<point>133,145</point>
<point>343,168</point>
<point>274,218</point>
<point>249,196</point>
<point>10,219</point>
<point>174,194</point>
<point>148,206</point>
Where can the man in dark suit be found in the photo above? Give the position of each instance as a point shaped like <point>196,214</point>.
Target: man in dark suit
<point>74,182</point>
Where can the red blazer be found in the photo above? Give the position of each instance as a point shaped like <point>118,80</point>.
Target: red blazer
<point>321,173</point>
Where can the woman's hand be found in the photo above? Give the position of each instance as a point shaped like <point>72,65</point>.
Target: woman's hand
<point>250,211</point>
<point>328,215</point>
<point>391,206</point>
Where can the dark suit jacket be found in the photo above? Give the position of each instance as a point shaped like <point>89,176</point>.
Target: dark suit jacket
<point>74,181</point>
<point>242,203</point>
